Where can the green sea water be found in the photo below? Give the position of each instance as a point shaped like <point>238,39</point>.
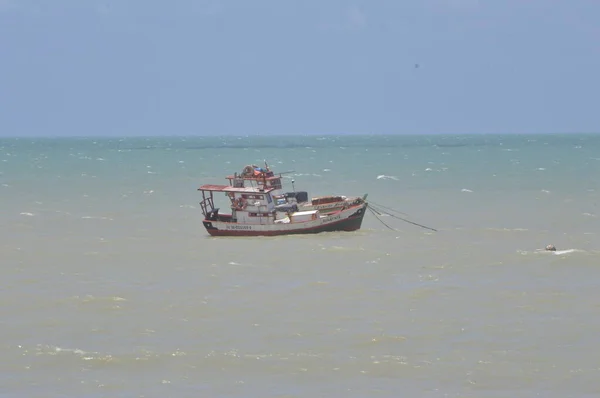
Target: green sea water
<point>112,287</point>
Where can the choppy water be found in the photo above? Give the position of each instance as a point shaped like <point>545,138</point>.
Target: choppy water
<point>111,286</point>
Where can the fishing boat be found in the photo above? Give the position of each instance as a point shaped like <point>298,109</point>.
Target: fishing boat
<point>258,206</point>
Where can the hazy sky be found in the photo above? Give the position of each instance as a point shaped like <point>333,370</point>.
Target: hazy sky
<point>148,67</point>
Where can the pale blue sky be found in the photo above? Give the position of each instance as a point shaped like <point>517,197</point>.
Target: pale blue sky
<point>148,67</point>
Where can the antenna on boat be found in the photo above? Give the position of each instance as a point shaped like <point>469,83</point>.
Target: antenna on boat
<point>293,188</point>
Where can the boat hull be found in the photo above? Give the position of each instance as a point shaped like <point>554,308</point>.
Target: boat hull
<point>345,220</point>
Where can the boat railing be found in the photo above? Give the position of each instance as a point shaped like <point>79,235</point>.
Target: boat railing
<point>207,204</point>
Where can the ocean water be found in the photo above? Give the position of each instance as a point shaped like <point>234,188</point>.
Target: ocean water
<point>111,287</point>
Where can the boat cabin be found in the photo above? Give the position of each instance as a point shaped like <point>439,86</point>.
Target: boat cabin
<point>247,204</point>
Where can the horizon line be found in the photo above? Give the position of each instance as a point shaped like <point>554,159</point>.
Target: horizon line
<point>279,135</point>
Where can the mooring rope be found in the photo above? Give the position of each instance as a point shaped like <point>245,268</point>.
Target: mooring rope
<point>381,221</point>
<point>387,208</point>
<point>378,211</point>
